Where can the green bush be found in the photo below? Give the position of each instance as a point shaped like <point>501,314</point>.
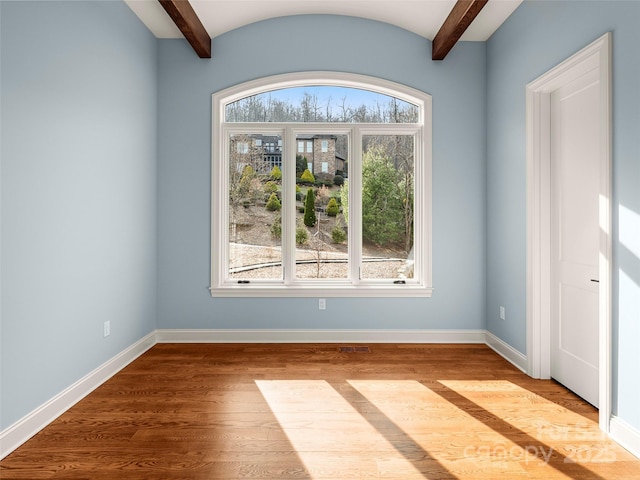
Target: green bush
<point>273,204</point>
<point>270,187</point>
<point>338,235</point>
<point>276,173</point>
<point>307,176</point>
<point>332,208</point>
<point>246,184</point>
<point>248,171</point>
<point>310,209</point>
<point>324,183</point>
<point>301,235</point>
<point>338,180</point>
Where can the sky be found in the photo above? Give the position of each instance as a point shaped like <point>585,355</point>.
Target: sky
<point>354,97</point>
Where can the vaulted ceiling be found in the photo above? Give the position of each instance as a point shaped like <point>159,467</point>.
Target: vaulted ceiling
<point>423,17</point>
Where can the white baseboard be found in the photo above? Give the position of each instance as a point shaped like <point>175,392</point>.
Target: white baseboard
<point>506,351</point>
<point>625,435</point>
<point>320,336</point>
<point>25,428</point>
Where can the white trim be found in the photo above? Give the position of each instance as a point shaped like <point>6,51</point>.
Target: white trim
<point>320,336</point>
<point>624,434</point>
<point>339,289</point>
<point>595,56</point>
<point>25,428</point>
<point>323,78</point>
<point>506,351</point>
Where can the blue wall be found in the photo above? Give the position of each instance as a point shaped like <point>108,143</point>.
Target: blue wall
<point>79,177</point>
<point>285,45</point>
<point>535,38</point>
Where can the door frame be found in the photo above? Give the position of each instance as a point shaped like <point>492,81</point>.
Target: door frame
<point>596,55</point>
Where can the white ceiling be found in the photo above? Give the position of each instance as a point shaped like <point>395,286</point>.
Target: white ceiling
<point>423,17</point>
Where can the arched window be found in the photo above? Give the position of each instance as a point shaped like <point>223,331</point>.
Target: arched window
<point>321,186</point>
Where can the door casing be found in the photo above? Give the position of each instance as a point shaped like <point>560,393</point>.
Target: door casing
<point>596,55</point>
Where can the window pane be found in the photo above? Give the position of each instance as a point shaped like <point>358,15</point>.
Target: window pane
<point>321,224</point>
<point>387,206</point>
<point>321,104</point>
<point>242,147</point>
<point>255,186</point>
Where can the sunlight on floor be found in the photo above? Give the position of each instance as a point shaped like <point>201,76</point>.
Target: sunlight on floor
<point>506,429</point>
<point>328,433</point>
<point>426,417</point>
<point>572,436</point>
<point>448,429</point>
<point>527,411</point>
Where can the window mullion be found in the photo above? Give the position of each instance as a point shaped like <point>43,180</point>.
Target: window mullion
<point>289,204</point>
<point>355,205</point>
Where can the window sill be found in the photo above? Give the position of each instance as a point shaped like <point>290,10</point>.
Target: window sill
<point>349,291</point>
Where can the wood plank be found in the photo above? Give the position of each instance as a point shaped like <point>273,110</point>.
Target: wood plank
<point>461,16</point>
<point>297,411</point>
<point>186,19</point>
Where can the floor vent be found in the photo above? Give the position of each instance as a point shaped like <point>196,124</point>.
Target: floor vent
<point>354,350</point>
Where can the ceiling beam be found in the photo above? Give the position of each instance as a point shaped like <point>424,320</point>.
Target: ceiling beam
<point>183,15</point>
<point>461,16</point>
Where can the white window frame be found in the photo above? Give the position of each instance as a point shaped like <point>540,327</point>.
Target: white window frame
<point>420,286</point>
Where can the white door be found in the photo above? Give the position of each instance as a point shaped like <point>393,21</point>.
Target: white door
<point>575,160</point>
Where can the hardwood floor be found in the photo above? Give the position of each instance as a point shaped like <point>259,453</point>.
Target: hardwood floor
<point>208,411</point>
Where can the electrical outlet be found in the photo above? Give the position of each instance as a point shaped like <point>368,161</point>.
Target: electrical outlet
<point>322,304</point>
<point>502,314</point>
<point>107,328</point>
